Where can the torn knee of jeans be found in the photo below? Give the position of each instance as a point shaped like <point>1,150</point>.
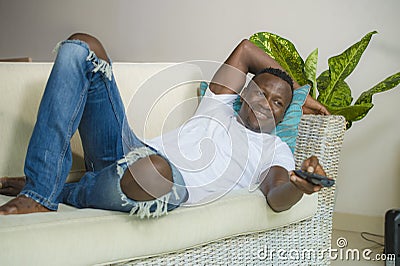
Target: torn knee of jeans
<point>100,65</point>
<point>132,157</point>
<point>175,193</point>
<point>143,208</point>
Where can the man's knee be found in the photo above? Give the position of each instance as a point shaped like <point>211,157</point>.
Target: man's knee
<point>148,178</point>
<point>93,43</point>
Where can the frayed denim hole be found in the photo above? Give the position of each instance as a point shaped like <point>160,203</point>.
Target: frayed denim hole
<point>123,165</point>
<point>99,64</point>
<point>141,209</point>
<point>78,42</point>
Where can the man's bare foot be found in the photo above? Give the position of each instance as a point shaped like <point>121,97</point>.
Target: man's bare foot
<point>22,205</point>
<point>11,186</point>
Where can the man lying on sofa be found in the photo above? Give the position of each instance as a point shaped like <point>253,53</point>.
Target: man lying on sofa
<point>149,179</point>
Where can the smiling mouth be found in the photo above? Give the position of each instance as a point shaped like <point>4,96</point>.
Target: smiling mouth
<point>262,115</point>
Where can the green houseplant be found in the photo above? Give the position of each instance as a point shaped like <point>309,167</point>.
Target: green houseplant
<point>333,91</point>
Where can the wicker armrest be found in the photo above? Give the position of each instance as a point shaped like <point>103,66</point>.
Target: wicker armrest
<point>321,136</point>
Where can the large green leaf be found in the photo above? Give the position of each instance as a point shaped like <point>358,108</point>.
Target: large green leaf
<point>341,66</point>
<point>323,82</point>
<point>262,40</point>
<point>387,84</point>
<point>341,97</point>
<point>351,113</point>
<point>283,51</point>
<point>310,69</point>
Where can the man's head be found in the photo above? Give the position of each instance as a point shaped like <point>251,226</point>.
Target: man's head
<point>265,100</point>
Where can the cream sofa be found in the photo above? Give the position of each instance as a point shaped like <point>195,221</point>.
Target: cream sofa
<point>238,228</point>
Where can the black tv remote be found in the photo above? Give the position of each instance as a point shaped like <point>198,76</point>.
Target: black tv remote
<point>315,178</point>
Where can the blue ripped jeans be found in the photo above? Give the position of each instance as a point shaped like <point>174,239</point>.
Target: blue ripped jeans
<point>81,93</point>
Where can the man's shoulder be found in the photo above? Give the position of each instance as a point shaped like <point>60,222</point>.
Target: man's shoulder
<point>281,145</point>
<point>211,103</point>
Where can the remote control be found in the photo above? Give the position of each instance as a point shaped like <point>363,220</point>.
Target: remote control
<point>315,178</point>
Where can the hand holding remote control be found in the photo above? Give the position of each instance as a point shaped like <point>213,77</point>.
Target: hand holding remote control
<point>315,178</point>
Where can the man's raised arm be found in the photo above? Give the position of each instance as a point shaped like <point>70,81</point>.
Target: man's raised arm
<point>248,58</point>
<point>245,58</point>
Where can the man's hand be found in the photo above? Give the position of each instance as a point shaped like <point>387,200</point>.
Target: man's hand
<point>312,106</point>
<point>310,165</point>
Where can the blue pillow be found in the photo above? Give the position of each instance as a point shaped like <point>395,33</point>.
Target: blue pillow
<point>287,130</point>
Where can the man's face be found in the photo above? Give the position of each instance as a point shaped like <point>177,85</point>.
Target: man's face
<point>264,103</point>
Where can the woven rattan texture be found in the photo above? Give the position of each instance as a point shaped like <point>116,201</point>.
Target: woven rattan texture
<point>303,242</point>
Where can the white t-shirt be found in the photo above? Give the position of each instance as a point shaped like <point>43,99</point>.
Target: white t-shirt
<point>215,153</point>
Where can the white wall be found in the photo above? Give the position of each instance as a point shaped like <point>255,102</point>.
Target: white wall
<point>173,30</point>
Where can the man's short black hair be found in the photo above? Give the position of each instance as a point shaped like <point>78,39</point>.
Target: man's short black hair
<point>277,72</point>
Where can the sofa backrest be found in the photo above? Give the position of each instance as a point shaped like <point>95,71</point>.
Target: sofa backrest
<point>157,96</point>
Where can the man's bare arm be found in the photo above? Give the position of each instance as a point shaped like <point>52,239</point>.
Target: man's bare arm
<point>283,192</point>
<point>245,58</point>
<point>280,193</point>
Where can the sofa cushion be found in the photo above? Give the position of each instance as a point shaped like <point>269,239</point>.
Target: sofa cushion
<point>88,236</point>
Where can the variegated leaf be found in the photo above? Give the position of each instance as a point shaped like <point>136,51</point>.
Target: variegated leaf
<point>310,69</point>
<point>341,97</point>
<point>341,66</point>
<point>283,51</point>
<point>387,84</point>
<point>323,82</point>
<point>352,113</point>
